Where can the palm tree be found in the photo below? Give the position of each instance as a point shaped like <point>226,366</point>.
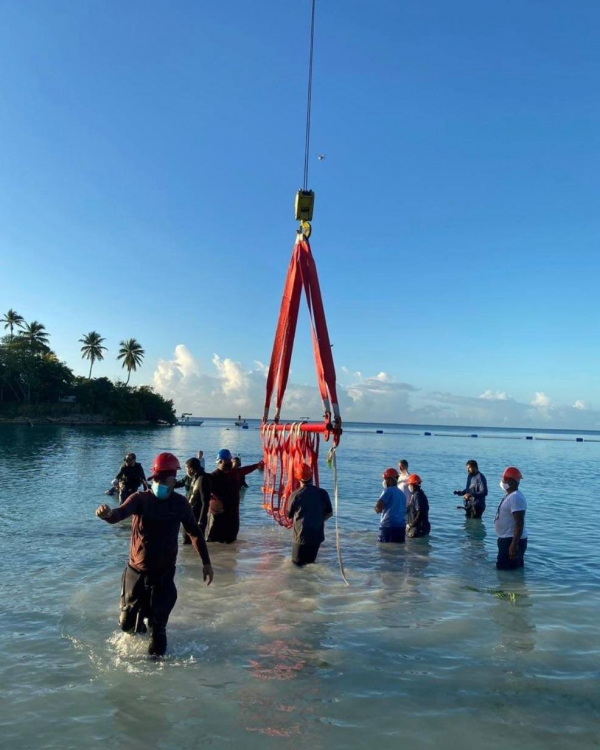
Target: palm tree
<point>132,354</point>
<point>35,334</point>
<point>12,319</point>
<point>92,348</point>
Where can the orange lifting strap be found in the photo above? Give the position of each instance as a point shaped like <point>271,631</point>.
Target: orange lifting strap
<point>285,446</point>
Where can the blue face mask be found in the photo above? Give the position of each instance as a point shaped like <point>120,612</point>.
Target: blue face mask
<point>160,490</point>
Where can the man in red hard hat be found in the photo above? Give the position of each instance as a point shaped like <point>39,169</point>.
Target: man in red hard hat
<point>392,507</point>
<point>148,587</point>
<point>509,522</point>
<point>417,509</point>
<point>308,508</point>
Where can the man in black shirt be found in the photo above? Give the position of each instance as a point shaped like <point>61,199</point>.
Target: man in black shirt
<point>309,507</point>
<point>198,489</point>
<point>130,476</point>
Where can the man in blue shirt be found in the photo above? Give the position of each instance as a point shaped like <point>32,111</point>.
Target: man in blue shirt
<point>475,492</point>
<point>392,506</point>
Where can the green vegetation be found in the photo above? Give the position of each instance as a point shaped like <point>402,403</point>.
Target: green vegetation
<point>35,383</point>
<point>132,355</point>
<point>92,348</point>
<point>12,319</point>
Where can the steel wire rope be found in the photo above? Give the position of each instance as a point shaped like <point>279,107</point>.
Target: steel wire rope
<point>309,97</point>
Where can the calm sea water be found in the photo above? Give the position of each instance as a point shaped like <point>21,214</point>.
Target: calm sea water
<point>430,646</point>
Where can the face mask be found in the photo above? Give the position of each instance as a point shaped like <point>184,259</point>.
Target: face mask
<point>504,486</point>
<point>160,490</point>
<point>384,484</point>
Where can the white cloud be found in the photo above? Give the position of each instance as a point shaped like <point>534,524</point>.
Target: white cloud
<point>495,395</point>
<point>541,401</point>
<point>225,387</point>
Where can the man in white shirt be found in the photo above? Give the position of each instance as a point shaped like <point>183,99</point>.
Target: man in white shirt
<point>200,456</point>
<point>509,522</point>
<point>402,477</point>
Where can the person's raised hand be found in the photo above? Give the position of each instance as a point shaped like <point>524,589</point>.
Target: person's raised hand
<point>103,511</point>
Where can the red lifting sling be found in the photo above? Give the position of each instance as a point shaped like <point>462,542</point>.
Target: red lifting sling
<point>285,446</point>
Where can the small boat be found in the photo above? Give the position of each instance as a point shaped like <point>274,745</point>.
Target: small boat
<point>189,420</point>
<point>239,422</point>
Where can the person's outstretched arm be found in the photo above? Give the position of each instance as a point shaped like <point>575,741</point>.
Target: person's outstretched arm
<point>243,470</point>
<point>114,515</point>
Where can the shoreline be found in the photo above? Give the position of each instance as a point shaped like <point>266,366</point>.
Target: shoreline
<point>76,420</point>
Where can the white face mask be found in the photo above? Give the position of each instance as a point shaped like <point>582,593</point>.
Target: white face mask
<point>504,486</point>
<point>384,484</point>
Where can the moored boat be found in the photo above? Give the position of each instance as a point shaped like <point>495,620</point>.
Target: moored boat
<point>189,420</point>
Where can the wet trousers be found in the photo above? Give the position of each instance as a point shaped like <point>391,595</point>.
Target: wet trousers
<point>473,511</point>
<point>304,554</point>
<point>224,527</point>
<point>504,562</point>
<point>151,595</point>
<point>394,534</point>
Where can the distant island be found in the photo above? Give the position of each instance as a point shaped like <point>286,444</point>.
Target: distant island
<point>35,386</point>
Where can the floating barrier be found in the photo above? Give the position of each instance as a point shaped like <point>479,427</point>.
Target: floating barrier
<point>487,437</point>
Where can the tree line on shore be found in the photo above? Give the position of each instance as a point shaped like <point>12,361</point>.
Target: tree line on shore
<point>32,377</point>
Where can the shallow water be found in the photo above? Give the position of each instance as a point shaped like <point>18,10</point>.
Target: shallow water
<point>429,646</point>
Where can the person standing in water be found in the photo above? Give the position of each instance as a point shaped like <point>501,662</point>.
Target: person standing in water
<point>402,477</point>
<point>130,477</point>
<point>392,506</point>
<point>308,509</point>
<point>148,587</point>
<point>417,509</point>
<point>224,509</point>
<point>200,457</point>
<point>475,492</point>
<point>509,522</point>
<point>198,495</point>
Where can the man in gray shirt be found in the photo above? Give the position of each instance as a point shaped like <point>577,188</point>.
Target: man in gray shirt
<point>308,508</point>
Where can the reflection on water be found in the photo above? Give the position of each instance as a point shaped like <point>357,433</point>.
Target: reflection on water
<point>430,646</point>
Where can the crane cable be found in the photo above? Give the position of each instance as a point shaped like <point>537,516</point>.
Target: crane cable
<point>331,458</point>
<point>309,97</point>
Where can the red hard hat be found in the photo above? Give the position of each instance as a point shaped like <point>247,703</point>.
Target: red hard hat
<point>511,472</point>
<point>165,462</point>
<point>414,479</point>
<point>390,474</point>
<point>303,472</point>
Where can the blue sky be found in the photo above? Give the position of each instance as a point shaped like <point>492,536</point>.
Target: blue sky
<point>151,152</point>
